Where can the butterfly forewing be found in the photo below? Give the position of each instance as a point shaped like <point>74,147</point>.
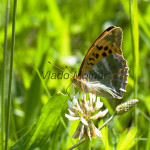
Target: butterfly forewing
<point>108,42</point>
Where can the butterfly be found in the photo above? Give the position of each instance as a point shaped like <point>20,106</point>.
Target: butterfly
<point>104,71</point>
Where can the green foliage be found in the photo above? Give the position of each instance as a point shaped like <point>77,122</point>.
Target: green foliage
<point>126,140</point>
<point>45,125</point>
<point>61,31</point>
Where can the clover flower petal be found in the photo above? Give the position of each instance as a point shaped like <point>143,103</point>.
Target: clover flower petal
<point>100,114</point>
<point>83,120</point>
<point>98,104</point>
<point>71,118</point>
<point>72,113</point>
<point>82,132</point>
<point>97,132</point>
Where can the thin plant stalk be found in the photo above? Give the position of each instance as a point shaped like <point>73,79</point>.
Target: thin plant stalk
<point>10,76</point>
<point>135,43</point>
<point>3,76</point>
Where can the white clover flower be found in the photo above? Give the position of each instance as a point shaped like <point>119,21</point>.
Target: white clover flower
<point>86,111</point>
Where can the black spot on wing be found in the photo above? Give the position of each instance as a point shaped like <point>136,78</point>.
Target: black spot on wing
<point>104,54</point>
<point>99,47</point>
<point>106,48</point>
<point>110,51</point>
<point>95,55</point>
<point>91,58</point>
<point>90,63</point>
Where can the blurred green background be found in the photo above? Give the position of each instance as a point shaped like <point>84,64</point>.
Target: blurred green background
<point>61,32</point>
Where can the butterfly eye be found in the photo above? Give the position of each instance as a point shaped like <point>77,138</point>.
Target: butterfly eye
<point>85,76</point>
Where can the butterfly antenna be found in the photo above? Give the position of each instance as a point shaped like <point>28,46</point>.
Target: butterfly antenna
<point>60,68</point>
<point>63,70</point>
<point>55,66</point>
<point>68,70</point>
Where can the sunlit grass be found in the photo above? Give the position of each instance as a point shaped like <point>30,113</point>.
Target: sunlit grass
<point>135,51</point>
<point>8,108</point>
<point>3,77</point>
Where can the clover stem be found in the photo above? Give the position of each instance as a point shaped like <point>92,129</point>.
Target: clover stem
<point>107,121</point>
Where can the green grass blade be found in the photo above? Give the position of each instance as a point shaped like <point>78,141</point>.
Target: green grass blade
<point>135,29</point>
<point>10,75</point>
<point>126,140</point>
<point>33,97</point>
<point>135,42</point>
<point>3,76</point>
<point>45,125</point>
<point>135,39</point>
<point>47,92</point>
<point>148,137</point>
<point>105,137</point>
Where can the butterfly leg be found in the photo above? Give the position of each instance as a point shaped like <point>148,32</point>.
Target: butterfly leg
<point>73,90</point>
<point>82,87</point>
<point>84,93</point>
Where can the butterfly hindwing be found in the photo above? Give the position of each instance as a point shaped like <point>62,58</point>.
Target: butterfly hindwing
<point>108,77</point>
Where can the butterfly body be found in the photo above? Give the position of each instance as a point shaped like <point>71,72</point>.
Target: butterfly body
<point>104,71</point>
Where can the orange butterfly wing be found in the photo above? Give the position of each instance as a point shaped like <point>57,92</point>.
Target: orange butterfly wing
<point>110,41</point>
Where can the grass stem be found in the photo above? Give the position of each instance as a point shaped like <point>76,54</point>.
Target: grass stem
<point>3,76</point>
<point>10,76</point>
<point>135,43</point>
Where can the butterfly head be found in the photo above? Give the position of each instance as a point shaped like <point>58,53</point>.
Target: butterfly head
<point>74,79</point>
